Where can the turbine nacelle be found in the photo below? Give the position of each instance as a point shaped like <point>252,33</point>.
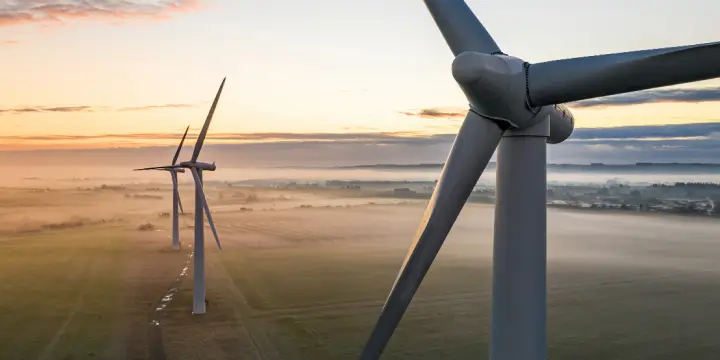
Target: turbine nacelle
<point>199,165</point>
<point>496,87</point>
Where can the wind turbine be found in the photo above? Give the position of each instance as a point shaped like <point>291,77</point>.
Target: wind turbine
<point>513,106</point>
<point>176,195</point>
<point>196,168</point>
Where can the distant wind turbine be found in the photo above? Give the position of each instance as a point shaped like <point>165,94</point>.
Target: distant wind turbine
<point>196,168</point>
<point>176,194</point>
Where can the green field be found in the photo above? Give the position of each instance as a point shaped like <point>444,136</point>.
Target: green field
<point>308,283</point>
<point>62,294</point>
<point>320,300</point>
<point>79,293</point>
<point>323,307</point>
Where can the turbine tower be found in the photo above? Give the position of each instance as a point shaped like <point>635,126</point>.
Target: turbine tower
<point>176,194</point>
<point>513,106</point>
<point>197,168</point>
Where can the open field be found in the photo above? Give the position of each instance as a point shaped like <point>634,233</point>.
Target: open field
<point>298,282</point>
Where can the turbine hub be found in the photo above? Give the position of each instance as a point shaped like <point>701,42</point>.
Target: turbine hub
<point>496,87</point>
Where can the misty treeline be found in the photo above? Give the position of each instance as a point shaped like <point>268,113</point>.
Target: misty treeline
<point>695,185</point>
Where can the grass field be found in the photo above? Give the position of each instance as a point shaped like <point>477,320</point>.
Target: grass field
<point>308,282</point>
<point>647,295</point>
<point>54,286</point>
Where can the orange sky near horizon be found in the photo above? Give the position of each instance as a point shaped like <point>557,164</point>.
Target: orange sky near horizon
<point>286,72</point>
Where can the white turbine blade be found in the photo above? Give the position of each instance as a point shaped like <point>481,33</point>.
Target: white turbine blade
<point>562,81</point>
<point>154,168</point>
<point>206,125</point>
<point>177,152</point>
<point>173,175</point>
<point>470,154</point>
<point>460,27</point>
<point>205,205</point>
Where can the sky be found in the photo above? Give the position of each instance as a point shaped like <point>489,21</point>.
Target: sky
<point>324,78</point>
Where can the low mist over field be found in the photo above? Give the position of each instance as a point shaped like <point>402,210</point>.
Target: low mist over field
<point>305,269</point>
<point>72,174</point>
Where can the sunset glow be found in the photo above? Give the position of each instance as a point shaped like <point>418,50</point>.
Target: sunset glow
<point>79,75</point>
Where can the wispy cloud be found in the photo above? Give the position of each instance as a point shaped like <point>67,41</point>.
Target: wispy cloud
<point>629,134</point>
<point>153,107</point>
<point>681,143</point>
<point>645,132</point>
<point>21,12</point>
<point>436,113</point>
<point>653,96</point>
<point>40,109</point>
<point>88,108</point>
<point>359,128</point>
<point>268,137</point>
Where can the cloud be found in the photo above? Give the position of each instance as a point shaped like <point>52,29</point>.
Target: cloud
<point>664,143</point>
<point>37,109</point>
<point>359,128</point>
<point>22,12</point>
<point>435,113</point>
<point>617,136</point>
<point>10,42</point>
<point>87,108</point>
<point>652,96</point>
<point>153,107</point>
<point>644,132</point>
<point>660,143</point>
<point>374,138</point>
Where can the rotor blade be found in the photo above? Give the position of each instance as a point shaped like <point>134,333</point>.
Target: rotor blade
<point>205,205</point>
<point>562,81</point>
<point>177,153</point>
<point>173,175</point>
<point>460,27</point>
<point>157,168</point>
<point>203,132</point>
<point>470,154</point>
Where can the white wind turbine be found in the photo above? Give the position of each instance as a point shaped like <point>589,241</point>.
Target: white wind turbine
<point>176,194</point>
<point>196,168</point>
<point>513,104</point>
